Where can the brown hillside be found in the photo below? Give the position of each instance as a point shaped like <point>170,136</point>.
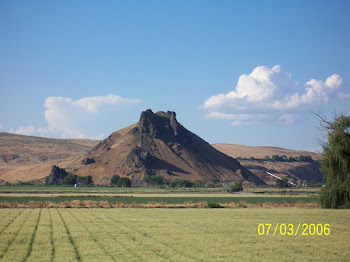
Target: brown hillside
<point>158,144</point>
<point>302,171</point>
<point>20,154</point>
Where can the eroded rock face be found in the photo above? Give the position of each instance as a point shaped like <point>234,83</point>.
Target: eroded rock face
<point>88,161</point>
<point>159,144</point>
<point>56,175</point>
<point>137,158</point>
<point>160,125</point>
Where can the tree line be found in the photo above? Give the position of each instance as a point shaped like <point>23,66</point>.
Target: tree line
<point>282,158</point>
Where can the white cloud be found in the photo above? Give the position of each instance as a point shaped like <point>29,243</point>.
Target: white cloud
<point>256,89</point>
<point>268,91</point>
<point>2,128</point>
<point>29,130</point>
<point>315,92</point>
<point>287,119</point>
<point>43,131</point>
<point>66,116</point>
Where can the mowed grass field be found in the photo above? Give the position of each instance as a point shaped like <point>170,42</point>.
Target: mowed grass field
<point>169,235</point>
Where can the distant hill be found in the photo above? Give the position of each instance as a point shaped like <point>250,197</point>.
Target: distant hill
<point>158,144</point>
<point>20,154</point>
<point>28,158</point>
<point>254,158</point>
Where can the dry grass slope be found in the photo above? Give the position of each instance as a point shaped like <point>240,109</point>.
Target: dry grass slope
<point>261,151</point>
<point>27,157</point>
<point>300,170</point>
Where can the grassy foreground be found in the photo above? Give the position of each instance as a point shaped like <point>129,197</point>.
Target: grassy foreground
<point>169,235</point>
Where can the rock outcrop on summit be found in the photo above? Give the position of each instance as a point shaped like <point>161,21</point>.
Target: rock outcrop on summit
<point>158,144</point>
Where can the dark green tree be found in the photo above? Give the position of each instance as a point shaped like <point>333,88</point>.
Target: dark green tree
<point>277,158</point>
<point>181,183</point>
<point>336,163</point>
<point>120,181</point>
<point>154,180</point>
<point>236,186</point>
<point>114,180</point>
<point>70,179</point>
<point>84,180</point>
<point>281,183</point>
<point>198,183</point>
<point>291,159</point>
<point>123,182</point>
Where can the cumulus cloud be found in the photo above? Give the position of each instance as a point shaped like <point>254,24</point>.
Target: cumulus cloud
<point>256,89</point>
<point>67,116</point>
<point>315,92</point>
<point>29,130</point>
<point>269,91</point>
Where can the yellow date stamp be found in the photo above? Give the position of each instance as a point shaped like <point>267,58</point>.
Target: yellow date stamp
<point>302,229</point>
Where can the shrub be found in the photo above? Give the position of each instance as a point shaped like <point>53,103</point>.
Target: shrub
<point>305,159</point>
<point>291,159</point>
<point>123,182</point>
<point>70,179</point>
<point>84,180</point>
<point>233,187</point>
<point>242,204</point>
<point>279,158</point>
<point>214,205</point>
<point>198,183</point>
<point>26,183</point>
<point>120,181</point>
<point>276,158</point>
<point>236,186</point>
<point>154,180</point>
<point>181,183</point>
<point>282,183</point>
<point>114,180</point>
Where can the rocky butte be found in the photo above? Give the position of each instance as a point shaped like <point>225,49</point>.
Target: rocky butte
<point>159,144</point>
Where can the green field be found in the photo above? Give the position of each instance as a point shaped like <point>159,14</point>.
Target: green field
<point>53,196</point>
<point>46,189</point>
<point>169,235</point>
<point>160,199</point>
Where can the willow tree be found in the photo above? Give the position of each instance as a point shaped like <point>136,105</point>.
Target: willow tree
<point>336,164</point>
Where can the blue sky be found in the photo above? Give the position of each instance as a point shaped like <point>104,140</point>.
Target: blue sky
<point>241,72</point>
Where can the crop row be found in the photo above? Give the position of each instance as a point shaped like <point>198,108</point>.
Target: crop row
<point>167,235</point>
